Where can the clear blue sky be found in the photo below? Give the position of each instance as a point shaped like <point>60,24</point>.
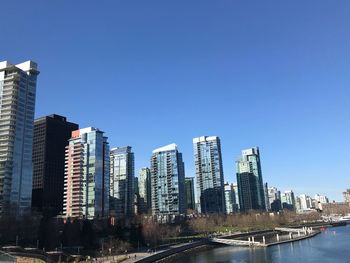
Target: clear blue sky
<point>149,73</point>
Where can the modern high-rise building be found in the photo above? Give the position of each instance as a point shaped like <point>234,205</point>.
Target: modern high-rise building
<point>247,192</point>
<point>305,202</point>
<point>321,199</point>
<point>167,182</point>
<point>249,180</point>
<point>209,174</point>
<point>144,190</point>
<point>17,106</point>
<point>86,181</point>
<point>122,181</point>
<point>274,197</point>
<point>288,200</point>
<point>346,196</point>
<point>189,189</point>
<point>230,199</point>
<point>51,135</point>
<point>235,189</point>
<point>266,197</point>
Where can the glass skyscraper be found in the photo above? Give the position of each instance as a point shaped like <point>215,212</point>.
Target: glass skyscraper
<point>17,106</point>
<point>209,174</point>
<point>144,190</point>
<point>249,180</point>
<point>189,186</point>
<point>167,181</point>
<point>51,135</point>
<point>122,182</point>
<point>86,182</point>
<point>288,200</point>
<point>231,203</point>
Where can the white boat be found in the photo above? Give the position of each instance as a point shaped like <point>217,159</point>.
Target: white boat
<point>345,218</point>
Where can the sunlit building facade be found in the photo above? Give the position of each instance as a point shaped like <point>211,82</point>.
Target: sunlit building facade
<point>86,182</point>
<point>209,174</point>
<point>231,203</point>
<point>144,183</point>
<point>122,181</point>
<point>288,200</point>
<point>249,180</point>
<point>17,106</point>
<point>167,181</point>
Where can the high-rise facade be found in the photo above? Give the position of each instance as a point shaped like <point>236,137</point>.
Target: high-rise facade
<point>209,174</point>
<point>86,181</point>
<point>288,200</point>
<point>122,182</point>
<point>189,189</point>
<point>51,135</point>
<point>250,182</point>
<point>305,202</point>
<point>274,198</point>
<point>346,195</point>
<point>230,199</point>
<point>321,199</point>
<point>167,181</point>
<point>247,192</point>
<point>17,106</point>
<point>235,190</point>
<point>144,190</point>
<point>266,197</point>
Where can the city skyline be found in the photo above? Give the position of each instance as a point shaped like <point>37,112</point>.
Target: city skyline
<point>284,72</point>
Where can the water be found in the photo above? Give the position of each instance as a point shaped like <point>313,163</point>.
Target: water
<point>332,245</point>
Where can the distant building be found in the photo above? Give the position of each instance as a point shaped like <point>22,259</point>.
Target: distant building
<point>321,199</point>
<point>136,196</point>
<point>86,181</point>
<point>167,182</point>
<point>266,197</point>
<point>288,200</point>
<point>17,106</point>
<point>346,195</point>
<point>298,204</point>
<point>51,135</point>
<point>235,189</point>
<point>230,198</point>
<point>249,180</point>
<point>189,189</point>
<point>305,203</point>
<point>144,183</point>
<point>274,197</point>
<point>122,180</point>
<point>248,195</point>
<point>209,174</point>
<point>136,185</point>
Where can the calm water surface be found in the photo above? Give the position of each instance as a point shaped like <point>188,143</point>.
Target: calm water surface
<point>332,245</point>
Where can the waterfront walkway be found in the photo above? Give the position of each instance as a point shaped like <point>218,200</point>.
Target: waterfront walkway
<point>267,238</point>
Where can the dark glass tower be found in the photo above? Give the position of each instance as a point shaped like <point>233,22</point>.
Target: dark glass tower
<point>249,180</point>
<point>122,181</point>
<point>51,135</point>
<point>189,186</point>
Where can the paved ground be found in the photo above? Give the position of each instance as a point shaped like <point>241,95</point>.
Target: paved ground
<point>139,255</point>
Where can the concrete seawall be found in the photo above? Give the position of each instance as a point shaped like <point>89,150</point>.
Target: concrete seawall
<point>294,239</point>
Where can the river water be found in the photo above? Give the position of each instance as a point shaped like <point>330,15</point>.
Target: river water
<point>332,245</point>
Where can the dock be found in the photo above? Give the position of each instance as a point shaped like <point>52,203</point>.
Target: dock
<point>273,237</point>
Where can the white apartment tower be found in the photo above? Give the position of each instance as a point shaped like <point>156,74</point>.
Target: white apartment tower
<point>17,106</point>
